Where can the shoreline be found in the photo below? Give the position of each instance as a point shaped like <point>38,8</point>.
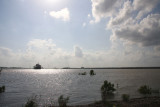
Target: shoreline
<point>135,102</point>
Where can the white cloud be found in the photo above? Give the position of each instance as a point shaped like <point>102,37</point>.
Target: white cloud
<point>63,14</point>
<point>76,58</point>
<point>38,43</point>
<point>78,52</point>
<point>5,52</point>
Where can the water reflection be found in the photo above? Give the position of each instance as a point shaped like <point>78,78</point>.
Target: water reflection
<point>51,83</point>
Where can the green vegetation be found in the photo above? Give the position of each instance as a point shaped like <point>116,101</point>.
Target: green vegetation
<point>125,97</point>
<point>32,102</point>
<point>145,90</point>
<point>2,89</point>
<point>92,72</point>
<point>84,73</point>
<point>63,101</point>
<point>106,88</point>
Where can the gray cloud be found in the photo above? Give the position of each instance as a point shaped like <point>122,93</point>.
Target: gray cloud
<point>133,22</point>
<point>145,33</point>
<point>127,26</point>
<point>124,14</point>
<point>104,8</point>
<point>144,6</point>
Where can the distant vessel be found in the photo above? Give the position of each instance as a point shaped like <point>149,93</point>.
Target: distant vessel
<point>37,66</point>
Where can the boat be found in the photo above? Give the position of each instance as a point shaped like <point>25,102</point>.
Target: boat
<point>38,66</point>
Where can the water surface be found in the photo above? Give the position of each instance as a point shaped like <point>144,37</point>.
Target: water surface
<point>49,84</point>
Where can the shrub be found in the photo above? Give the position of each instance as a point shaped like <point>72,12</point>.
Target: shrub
<point>2,89</point>
<point>32,102</point>
<point>125,97</point>
<point>92,72</point>
<point>106,88</point>
<point>145,90</point>
<point>63,101</point>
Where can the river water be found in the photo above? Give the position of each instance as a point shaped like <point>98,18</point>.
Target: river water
<point>49,84</point>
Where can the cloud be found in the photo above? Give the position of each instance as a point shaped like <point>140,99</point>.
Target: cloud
<point>38,43</point>
<point>134,25</point>
<point>77,58</point>
<point>145,33</point>
<point>104,8</point>
<point>63,14</point>
<point>124,14</point>
<point>144,6</point>
<point>78,52</point>
<point>5,52</point>
<point>125,26</point>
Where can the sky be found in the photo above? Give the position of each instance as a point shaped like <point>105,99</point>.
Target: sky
<point>76,33</point>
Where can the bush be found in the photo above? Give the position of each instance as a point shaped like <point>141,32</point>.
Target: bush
<point>106,88</point>
<point>2,89</point>
<point>92,72</point>
<point>63,101</point>
<point>145,90</point>
<point>32,102</point>
<point>125,97</point>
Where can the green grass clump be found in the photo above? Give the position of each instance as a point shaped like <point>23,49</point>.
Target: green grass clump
<point>125,97</point>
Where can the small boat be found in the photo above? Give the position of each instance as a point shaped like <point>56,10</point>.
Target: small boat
<point>38,66</point>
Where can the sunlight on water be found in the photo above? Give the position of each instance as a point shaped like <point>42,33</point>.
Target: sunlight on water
<point>82,89</point>
<point>40,71</point>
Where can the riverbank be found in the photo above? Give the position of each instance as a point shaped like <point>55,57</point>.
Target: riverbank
<point>136,102</point>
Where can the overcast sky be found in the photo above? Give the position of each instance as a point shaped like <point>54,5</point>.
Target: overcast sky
<point>75,33</point>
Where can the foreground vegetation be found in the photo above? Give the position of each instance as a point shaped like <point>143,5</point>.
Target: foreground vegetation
<point>107,88</point>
